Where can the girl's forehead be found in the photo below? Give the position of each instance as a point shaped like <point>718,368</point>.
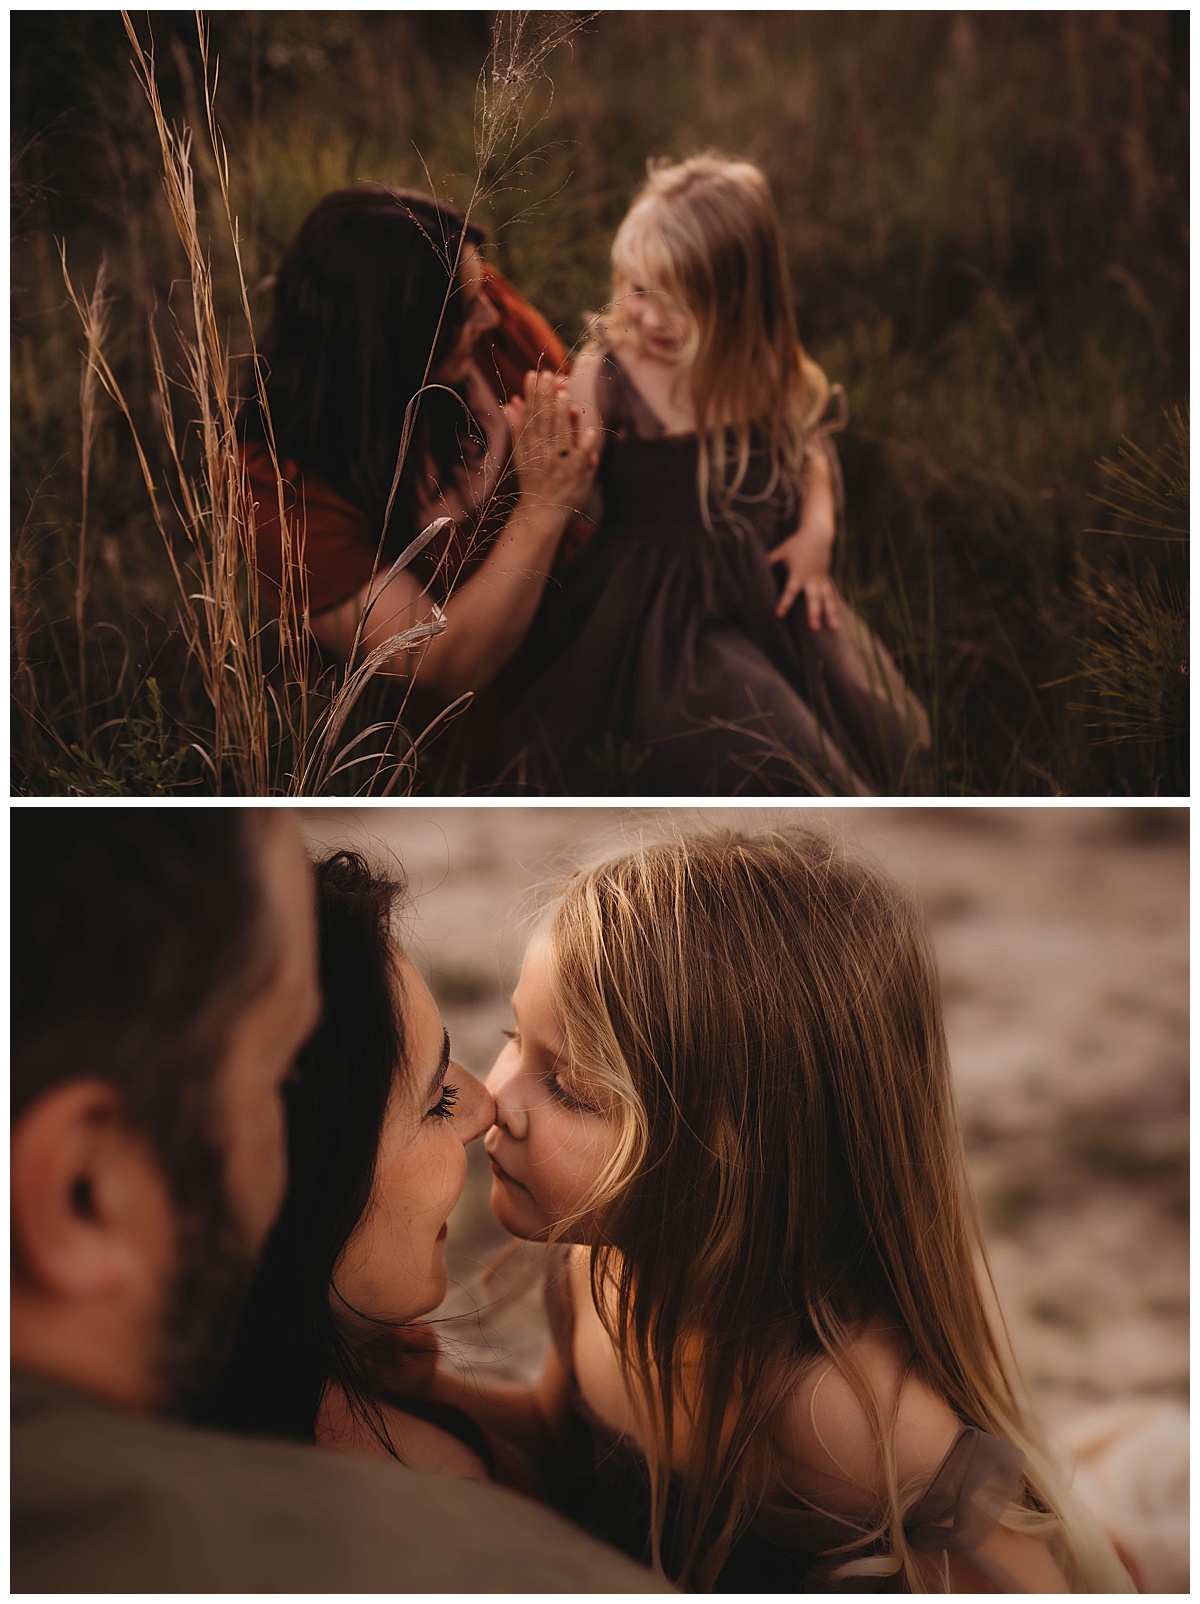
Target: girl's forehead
<point>536,976</point>
<point>640,237</point>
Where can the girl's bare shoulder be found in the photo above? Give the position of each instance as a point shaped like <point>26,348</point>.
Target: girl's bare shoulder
<point>833,1459</point>
<point>829,1438</point>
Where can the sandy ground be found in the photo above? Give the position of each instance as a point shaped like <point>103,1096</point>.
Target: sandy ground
<point>1062,936</point>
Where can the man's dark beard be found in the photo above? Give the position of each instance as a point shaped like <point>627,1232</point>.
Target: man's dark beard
<point>214,1271</point>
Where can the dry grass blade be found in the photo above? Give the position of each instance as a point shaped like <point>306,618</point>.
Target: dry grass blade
<point>408,761</point>
<point>356,682</point>
<point>98,310</point>
<point>522,43</point>
<point>1151,495</point>
<point>411,551</point>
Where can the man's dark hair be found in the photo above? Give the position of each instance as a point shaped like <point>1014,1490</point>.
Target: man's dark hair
<point>366,306</point>
<point>289,1345</point>
<point>137,934</point>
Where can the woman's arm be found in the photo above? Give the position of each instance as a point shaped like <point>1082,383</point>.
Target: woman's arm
<point>404,1364</point>
<point>533,1418</point>
<point>488,617</point>
<point>417,1443</point>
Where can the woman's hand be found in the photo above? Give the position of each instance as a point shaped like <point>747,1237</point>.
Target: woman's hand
<point>555,457</point>
<point>487,617</point>
<point>807,555</point>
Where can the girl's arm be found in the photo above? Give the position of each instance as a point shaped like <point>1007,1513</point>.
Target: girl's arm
<point>807,555</point>
<point>835,1463</point>
<point>583,388</point>
<point>1026,1559</point>
<point>488,617</point>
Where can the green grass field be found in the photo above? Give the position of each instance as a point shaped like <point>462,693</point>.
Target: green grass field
<point>987,218</point>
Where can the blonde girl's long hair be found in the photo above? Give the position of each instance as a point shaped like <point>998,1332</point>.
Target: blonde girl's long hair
<point>766,1012</point>
<point>705,231</point>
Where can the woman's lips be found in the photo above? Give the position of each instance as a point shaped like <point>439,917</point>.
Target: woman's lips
<point>444,1232</point>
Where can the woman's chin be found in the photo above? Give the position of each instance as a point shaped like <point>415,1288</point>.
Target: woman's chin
<point>436,1286</point>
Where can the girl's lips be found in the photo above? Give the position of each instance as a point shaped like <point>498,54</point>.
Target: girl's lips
<point>502,1174</point>
<point>444,1232</point>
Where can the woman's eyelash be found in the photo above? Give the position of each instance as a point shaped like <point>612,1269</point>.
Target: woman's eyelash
<point>511,1034</point>
<point>444,1106</point>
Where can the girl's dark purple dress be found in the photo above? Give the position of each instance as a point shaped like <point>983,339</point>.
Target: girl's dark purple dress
<point>662,665</point>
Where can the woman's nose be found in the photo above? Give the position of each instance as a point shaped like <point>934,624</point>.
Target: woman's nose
<point>476,1110</point>
<point>501,1083</point>
<point>486,314</point>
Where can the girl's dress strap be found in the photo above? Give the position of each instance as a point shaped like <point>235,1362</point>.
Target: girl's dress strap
<point>972,1488</point>
<point>623,407</point>
<point>560,1314</point>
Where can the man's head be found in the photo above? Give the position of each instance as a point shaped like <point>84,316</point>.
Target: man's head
<point>164,975</point>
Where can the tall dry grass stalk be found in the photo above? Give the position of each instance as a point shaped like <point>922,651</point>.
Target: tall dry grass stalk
<point>270,733</point>
<point>522,43</point>
<point>98,310</point>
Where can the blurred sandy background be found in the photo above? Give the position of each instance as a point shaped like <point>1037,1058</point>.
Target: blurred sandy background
<point>1062,935</point>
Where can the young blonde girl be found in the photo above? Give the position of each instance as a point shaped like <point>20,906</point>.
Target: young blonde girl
<point>681,661</point>
<point>727,1100</point>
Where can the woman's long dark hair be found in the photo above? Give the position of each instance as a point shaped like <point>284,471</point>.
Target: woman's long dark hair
<point>288,1346</point>
<point>359,297</point>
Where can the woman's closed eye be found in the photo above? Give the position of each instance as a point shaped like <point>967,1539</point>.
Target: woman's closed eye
<point>444,1107</point>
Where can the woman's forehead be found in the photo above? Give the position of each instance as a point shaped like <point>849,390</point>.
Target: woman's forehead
<point>425,1034</point>
<point>470,268</point>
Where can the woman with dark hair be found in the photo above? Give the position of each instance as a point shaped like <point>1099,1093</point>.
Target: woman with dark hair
<point>378,1119</point>
<point>406,382</point>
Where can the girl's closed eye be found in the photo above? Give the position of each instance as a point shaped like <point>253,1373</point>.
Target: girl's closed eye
<point>568,1097</point>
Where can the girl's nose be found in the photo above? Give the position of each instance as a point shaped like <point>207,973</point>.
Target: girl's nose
<point>510,1114</point>
<point>476,1110</point>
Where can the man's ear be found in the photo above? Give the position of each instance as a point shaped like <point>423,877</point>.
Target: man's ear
<point>90,1213</point>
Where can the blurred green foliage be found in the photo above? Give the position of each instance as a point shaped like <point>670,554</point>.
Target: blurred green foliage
<point>987,218</point>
